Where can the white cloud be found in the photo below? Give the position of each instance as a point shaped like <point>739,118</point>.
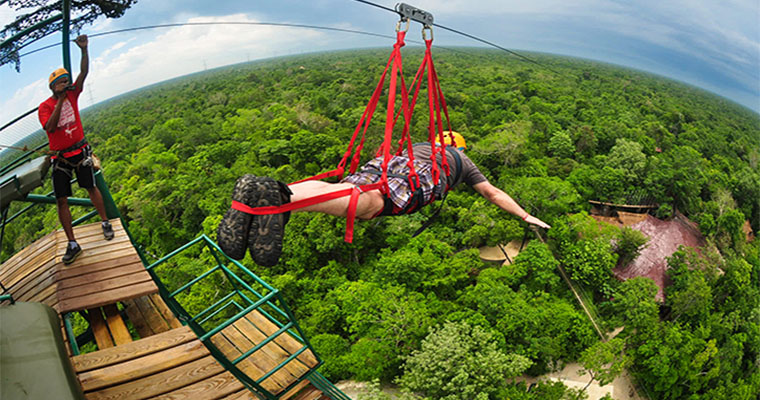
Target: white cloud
<point>187,49</point>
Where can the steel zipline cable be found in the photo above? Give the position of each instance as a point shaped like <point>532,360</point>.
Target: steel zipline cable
<point>467,35</point>
<point>289,25</point>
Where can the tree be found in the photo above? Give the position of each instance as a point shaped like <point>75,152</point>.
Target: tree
<point>628,156</point>
<point>590,261</point>
<point>635,303</point>
<point>630,244</point>
<point>677,175</point>
<point>457,361</point>
<point>604,361</point>
<point>561,145</point>
<point>540,267</point>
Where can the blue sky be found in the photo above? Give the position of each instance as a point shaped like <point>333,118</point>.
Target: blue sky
<point>711,44</point>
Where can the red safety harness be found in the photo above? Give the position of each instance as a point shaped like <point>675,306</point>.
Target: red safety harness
<point>436,102</point>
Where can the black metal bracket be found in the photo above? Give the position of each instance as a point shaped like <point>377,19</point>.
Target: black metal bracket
<point>409,12</point>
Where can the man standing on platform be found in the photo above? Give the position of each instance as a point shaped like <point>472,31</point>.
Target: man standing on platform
<point>59,115</point>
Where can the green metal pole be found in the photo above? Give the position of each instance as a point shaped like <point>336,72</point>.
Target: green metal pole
<point>65,39</point>
<point>111,210</point>
<point>74,201</point>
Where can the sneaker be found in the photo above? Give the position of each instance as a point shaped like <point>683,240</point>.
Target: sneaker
<point>107,230</point>
<point>72,252</point>
<point>266,231</point>
<point>232,232</point>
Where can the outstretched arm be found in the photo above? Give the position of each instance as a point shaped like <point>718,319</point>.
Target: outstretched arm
<point>506,203</point>
<point>84,65</point>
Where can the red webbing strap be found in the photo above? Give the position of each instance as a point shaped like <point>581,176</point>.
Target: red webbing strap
<point>350,213</point>
<point>372,105</point>
<point>396,69</point>
<point>407,109</point>
<point>436,103</point>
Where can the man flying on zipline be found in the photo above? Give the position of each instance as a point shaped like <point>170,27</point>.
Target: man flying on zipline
<point>262,234</point>
<point>390,184</point>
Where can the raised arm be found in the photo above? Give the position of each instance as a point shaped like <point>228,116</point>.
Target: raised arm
<point>84,65</point>
<point>506,203</point>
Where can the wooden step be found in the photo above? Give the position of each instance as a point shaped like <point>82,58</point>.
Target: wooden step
<point>132,350</point>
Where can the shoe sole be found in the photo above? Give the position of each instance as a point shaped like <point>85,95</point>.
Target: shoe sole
<point>232,233</point>
<point>76,255</point>
<point>266,231</point>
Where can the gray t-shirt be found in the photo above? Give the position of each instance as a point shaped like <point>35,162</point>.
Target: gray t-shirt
<point>470,173</point>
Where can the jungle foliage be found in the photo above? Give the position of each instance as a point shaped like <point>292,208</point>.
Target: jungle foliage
<point>391,307</point>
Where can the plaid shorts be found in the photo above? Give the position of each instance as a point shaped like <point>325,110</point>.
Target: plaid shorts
<point>398,183</point>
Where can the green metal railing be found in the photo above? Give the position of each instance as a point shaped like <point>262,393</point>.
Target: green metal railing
<point>233,292</point>
<point>321,383</point>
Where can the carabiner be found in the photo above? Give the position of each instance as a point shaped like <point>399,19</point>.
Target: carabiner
<point>398,24</point>
<point>429,28</point>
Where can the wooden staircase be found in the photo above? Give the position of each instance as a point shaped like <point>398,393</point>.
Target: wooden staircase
<point>167,361</point>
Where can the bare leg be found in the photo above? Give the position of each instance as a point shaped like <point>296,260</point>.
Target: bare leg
<point>64,215</point>
<point>369,204</point>
<point>97,201</point>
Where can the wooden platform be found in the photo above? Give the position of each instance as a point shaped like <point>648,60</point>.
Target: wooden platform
<point>169,361</point>
<point>170,365</point>
<point>105,272</point>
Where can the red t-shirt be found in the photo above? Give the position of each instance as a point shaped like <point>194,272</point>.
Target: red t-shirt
<point>69,130</point>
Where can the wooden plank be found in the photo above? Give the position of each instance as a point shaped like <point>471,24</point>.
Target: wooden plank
<point>249,368</point>
<point>100,286</point>
<point>130,351</point>
<point>102,275</point>
<point>244,394</point>
<point>143,366</point>
<point>46,296</point>
<point>65,336</point>
<point>137,319</point>
<point>212,388</point>
<point>96,244</point>
<point>119,259</point>
<point>116,325</point>
<point>18,259</point>
<point>164,310</point>
<point>99,328</point>
<point>106,297</point>
<point>94,256</point>
<point>33,287</point>
<point>287,342</point>
<point>265,359</point>
<point>44,244</point>
<point>95,237</point>
<point>275,352</point>
<point>24,265</point>
<point>29,266</point>
<point>152,317</point>
<point>162,382</point>
<point>86,233</point>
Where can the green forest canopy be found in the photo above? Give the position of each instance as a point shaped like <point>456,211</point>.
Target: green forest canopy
<point>377,308</point>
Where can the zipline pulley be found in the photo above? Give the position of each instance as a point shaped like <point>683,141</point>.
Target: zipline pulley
<point>409,12</point>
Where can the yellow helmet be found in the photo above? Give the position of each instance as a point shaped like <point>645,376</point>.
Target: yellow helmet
<point>458,142</point>
<point>57,74</point>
